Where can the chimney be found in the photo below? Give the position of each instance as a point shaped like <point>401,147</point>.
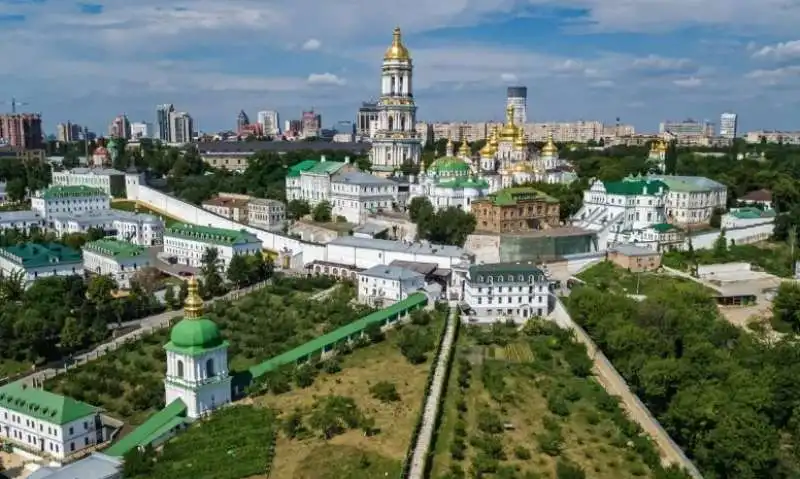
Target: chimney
<point>322,159</point>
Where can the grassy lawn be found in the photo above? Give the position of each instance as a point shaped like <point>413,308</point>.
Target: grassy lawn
<point>772,257</point>
<point>9,367</point>
<point>231,444</point>
<point>518,409</point>
<point>125,205</point>
<point>352,455</point>
<point>608,276</point>
<point>128,382</point>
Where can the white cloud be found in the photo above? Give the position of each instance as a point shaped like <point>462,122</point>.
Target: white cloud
<point>509,77</point>
<point>775,77</point>
<point>659,64</point>
<point>325,79</point>
<point>602,84</point>
<point>779,51</point>
<point>691,82</point>
<point>311,44</point>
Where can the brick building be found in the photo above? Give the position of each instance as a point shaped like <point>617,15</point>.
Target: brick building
<point>515,210</point>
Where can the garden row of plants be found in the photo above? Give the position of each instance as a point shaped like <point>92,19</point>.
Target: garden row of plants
<point>404,471</point>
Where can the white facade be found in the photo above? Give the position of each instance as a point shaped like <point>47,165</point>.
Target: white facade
<point>310,181</point>
<point>188,243</point>
<point>265,213</point>
<point>21,220</point>
<point>395,139</point>
<point>270,122</point>
<point>201,381</point>
<point>503,291</point>
<point>120,267</point>
<point>366,253</point>
<point>728,125</point>
<point>36,261</point>
<point>111,181</point>
<point>137,228</point>
<point>68,200</point>
<point>382,286</point>
<point>355,194</point>
<point>47,438</point>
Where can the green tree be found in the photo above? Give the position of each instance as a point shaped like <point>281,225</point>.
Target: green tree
<point>239,270</point>
<point>420,209</point>
<point>322,212</point>
<point>100,289</point>
<point>384,391</point>
<point>671,158</point>
<point>296,209</point>
<point>211,264</point>
<point>716,217</point>
<point>786,304</point>
<point>720,247</point>
<point>16,189</point>
<point>170,299</point>
<point>138,462</point>
<point>73,335</point>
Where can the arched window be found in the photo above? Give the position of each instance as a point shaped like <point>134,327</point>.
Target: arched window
<point>180,368</point>
<point>210,368</point>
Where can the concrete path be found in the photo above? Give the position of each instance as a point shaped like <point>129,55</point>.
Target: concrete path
<point>616,385</point>
<point>431,411</point>
<point>147,325</point>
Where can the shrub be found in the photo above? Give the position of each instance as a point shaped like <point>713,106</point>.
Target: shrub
<point>557,405</point>
<point>522,453</point>
<point>550,443</point>
<point>385,391</point>
<point>568,470</point>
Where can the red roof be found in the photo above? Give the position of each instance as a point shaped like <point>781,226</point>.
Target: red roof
<point>758,195</point>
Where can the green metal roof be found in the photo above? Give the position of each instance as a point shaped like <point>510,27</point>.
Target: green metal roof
<point>207,234</point>
<point>750,213</point>
<point>413,301</point>
<point>304,165</point>
<point>55,192</point>
<point>194,336</point>
<point>147,432</point>
<point>510,196</point>
<point>43,405</point>
<point>449,166</point>
<point>457,183</point>
<point>505,269</point>
<point>114,249</point>
<point>34,255</point>
<point>325,168</point>
<point>664,227</point>
<point>634,187</point>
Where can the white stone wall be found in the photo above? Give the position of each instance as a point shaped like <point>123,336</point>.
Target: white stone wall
<point>746,235</point>
<point>371,288</point>
<point>368,257</point>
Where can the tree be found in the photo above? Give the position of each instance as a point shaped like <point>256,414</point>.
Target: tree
<point>384,391</point>
<point>147,278</point>
<point>716,217</point>
<point>16,189</point>
<point>209,269</point>
<point>322,212</point>
<point>138,462</point>
<point>448,226</point>
<point>419,209</point>
<point>296,209</point>
<point>72,335</point>
<point>721,246</point>
<point>100,289</point>
<point>170,299</point>
<point>239,270</point>
<point>671,158</point>
<point>786,305</point>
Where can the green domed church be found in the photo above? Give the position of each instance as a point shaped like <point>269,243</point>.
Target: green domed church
<point>197,360</point>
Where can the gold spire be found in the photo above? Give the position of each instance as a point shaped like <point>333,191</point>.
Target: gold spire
<point>193,306</point>
<point>659,146</point>
<point>549,148</point>
<point>520,143</point>
<point>493,137</point>
<point>465,149</point>
<point>397,51</point>
<point>510,130</point>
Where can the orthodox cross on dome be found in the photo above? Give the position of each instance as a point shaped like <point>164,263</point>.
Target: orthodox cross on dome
<point>193,306</point>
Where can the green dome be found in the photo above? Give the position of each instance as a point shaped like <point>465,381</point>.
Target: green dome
<point>199,333</point>
<point>449,166</point>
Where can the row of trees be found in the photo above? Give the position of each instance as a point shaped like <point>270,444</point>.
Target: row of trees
<point>730,398</point>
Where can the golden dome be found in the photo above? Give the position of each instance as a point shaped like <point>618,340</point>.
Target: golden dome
<point>397,51</point>
<point>520,142</point>
<point>522,167</point>
<point>659,146</point>
<point>193,306</point>
<point>465,150</point>
<point>549,148</point>
<point>510,131</point>
<point>487,151</point>
<point>493,137</point>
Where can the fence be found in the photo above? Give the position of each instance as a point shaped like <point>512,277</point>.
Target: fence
<point>610,377</point>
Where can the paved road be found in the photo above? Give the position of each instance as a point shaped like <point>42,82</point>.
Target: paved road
<point>147,326</point>
<point>615,385</point>
<point>431,411</point>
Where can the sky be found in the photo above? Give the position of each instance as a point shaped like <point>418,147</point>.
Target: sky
<point>643,61</point>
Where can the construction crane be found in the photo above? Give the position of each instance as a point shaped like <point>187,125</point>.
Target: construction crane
<point>14,104</point>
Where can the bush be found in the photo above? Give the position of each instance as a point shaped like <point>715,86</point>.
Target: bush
<point>522,453</point>
<point>458,449</point>
<point>568,470</point>
<point>385,391</point>
<point>550,443</point>
<point>557,405</point>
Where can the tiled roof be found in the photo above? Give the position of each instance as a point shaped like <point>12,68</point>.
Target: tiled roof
<point>395,273</point>
<point>114,249</point>
<point>634,187</point>
<point>207,234</point>
<point>43,405</point>
<point>33,255</point>
<point>749,213</point>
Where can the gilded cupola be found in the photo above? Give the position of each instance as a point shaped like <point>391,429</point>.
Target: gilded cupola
<point>549,147</point>
<point>397,51</point>
<point>465,150</point>
<point>520,143</point>
<point>510,131</point>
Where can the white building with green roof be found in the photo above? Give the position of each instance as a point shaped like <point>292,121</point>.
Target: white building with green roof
<point>506,291</point>
<point>450,182</point>
<point>310,180</point>
<point>60,200</point>
<point>187,243</point>
<point>36,261</point>
<point>118,259</point>
<point>47,424</point>
<point>197,361</point>
<point>691,200</point>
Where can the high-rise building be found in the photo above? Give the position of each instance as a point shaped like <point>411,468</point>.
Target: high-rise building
<point>727,125</point>
<point>181,127</point>
<point>163,122</point>
<point>686,128</point>
<point>312,124</point>
<point>367,115</point>
<point>21,130</point>
<point>120,127</point>
<point>141,129</point>
<point>68,132</point>
<point>270,122</point>
<point>395,139</point>
<point>242,121</point>
<point>517,96</point>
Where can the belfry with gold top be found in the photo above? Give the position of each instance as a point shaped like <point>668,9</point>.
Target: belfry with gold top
<point>197,360</point>
<point>395,139</point>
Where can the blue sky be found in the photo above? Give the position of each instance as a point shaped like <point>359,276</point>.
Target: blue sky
<point>643,61</point>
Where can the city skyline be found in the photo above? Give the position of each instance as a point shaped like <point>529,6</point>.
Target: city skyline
<point>588,60</point>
